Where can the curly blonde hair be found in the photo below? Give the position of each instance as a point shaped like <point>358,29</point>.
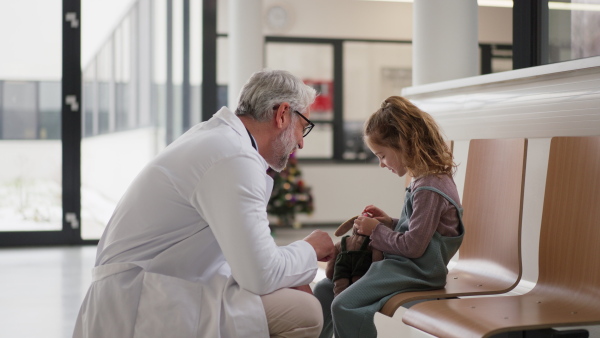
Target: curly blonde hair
<point>413,134</point>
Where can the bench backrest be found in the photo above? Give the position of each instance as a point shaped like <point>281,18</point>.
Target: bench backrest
<point>493,205</point>
<point>570,232</point>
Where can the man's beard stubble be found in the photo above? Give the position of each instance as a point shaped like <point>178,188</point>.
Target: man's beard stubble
<point>286,144</point>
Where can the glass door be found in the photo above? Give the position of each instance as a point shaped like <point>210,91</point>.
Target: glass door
<point>31,130</point>
<point>141,90</point>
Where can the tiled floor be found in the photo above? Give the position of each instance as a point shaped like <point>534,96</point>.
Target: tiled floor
<point>41,289</point>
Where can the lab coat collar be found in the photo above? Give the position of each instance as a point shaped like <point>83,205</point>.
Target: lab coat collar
<point>231,119</point>
<point>236,124</point>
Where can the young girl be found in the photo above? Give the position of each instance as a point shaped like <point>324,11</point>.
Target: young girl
<point>418,246</point>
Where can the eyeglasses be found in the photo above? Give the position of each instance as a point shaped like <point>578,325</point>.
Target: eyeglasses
<point>309,125</point>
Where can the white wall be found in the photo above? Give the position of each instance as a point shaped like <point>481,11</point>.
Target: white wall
<point>342,191</point>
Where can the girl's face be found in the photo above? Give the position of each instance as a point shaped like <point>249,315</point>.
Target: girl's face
<point>388,158</point>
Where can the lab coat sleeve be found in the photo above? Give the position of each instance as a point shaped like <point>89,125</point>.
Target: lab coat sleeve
<point>231,196</point>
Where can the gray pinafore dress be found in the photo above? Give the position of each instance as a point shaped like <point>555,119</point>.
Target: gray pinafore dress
<point>352,311</point>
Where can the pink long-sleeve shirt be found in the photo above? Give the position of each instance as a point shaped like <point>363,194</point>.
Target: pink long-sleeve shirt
<point>431,212</point>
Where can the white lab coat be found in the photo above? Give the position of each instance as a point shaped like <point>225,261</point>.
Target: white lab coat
<point>188,249</point>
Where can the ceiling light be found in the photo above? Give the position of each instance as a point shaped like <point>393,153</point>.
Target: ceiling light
<point>571,6</point>
<point>495,3</point>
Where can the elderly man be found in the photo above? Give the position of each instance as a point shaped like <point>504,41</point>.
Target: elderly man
<point>188,251</point>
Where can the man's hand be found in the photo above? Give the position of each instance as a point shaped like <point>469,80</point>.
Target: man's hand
<point>322,243</point>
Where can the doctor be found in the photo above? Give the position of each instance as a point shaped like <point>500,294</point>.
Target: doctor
<point>188,251</point>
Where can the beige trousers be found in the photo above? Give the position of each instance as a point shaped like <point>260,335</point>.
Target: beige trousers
<point>292,313</point>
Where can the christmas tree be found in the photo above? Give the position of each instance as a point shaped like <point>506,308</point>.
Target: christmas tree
<point>290,194</point>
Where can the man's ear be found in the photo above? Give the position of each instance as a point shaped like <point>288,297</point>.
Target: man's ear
<point>281,116</point>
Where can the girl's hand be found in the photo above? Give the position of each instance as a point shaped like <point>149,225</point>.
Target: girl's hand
<point>365,225</point>
<point>378,214</point>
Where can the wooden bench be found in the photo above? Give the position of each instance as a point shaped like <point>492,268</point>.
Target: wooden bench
<point>490,257</point>
<point>567,292</point>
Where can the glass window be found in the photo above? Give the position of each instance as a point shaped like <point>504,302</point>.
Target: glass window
<point>176,111</point>
<point>195,61</point>
<point>573,29</point>
<point>159,69</point>
<point>142,33</point>
<point>312,62</point>
<point>104,77</point>
<point>222,72</point>
<point>373,71</point>
<point>125,86</point>
<point>113,149</point>
<point>122,44</point>
<point>30,105</point>
<point>89,117</point>
<point>19,110</point>
<point>49,106</point>
<point>501,58</point>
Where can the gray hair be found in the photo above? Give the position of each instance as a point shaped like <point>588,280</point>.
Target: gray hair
<point>268,88</point>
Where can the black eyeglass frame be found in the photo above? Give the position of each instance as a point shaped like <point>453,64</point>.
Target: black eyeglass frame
<point>308,127</point>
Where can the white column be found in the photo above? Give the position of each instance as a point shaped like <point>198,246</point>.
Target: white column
<point>445,40</point>
<point>245,44</point>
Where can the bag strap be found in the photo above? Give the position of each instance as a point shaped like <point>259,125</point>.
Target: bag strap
<point>344,243</point>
